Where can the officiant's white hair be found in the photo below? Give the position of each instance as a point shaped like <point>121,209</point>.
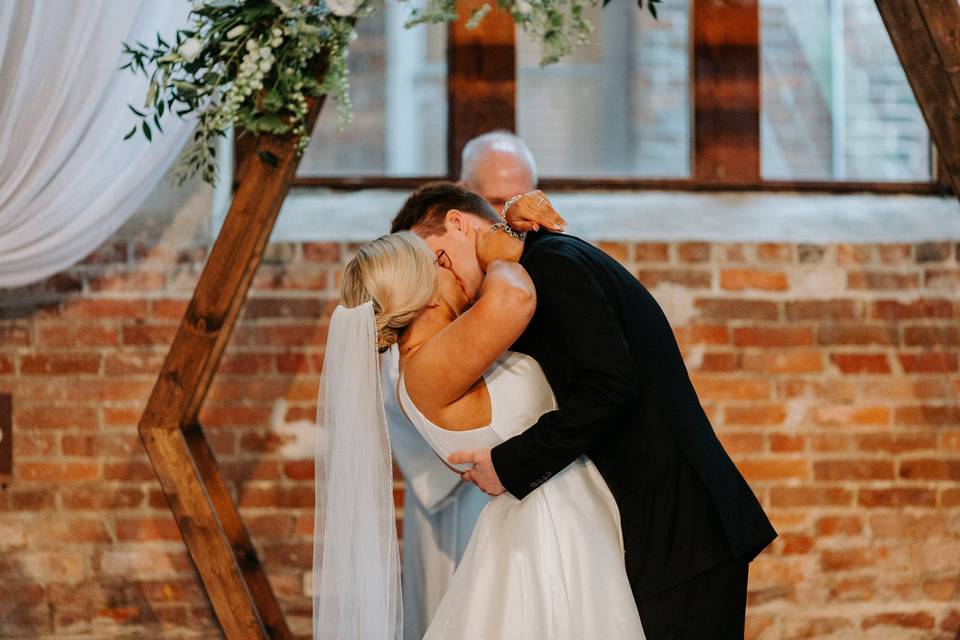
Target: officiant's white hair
<point>399,273</point>
<point>498,140</point>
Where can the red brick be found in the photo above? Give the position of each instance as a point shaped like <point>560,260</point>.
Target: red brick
<point>794,543</point>
<point>133,362</point>
<point>47,417</point>
<point>651,252</point>
<point>822,310</point>
<point>77,335</point>
<point>73,531</point>
<point>168,308</point>
<point>853,589</point>
<point>839,526</point>
<point>111,390</point>
<point>27,500</point>
<point>876,280</point>
<point>897,525</point>
<point>328,252</point>
<point>693,251</point>
<point>279,336</point>
<point>292,363</point>
<point>850,559</point>
<point>145,335</point>
<point>941,279</point>
<point>741,279</point>
<point>945,589</point>
<point>856,363</point>
<point>254,468</point>
<point>775,252</point>
<point>299,469</point>
<point>831,442</point>
<point>857,334</point>
<point>60,364</point>
<point>737,309</point>
<point>283,308</point>
<point>701,334</point>
<point>264,442</point>
<point>782,442</point>
<point>842,415</point>
<point>273,526</point>
<point>930,336</point>
<point>714,388</point>
<point>783,362</point>
<point>773,337</point>
<point>233,416</point>
<point>296,414</point>
<point>738,442</point>
<point>15,336</point>
<point>714,361</point>
<point>688,278</point>
<point>130,281</point>
<point>854,253</point>
<point>928,362</point>
<point>755,414</point>
<point>121,417</point>
<point>246,363</point>
<point>106,308</point>
<point>29,445</point>
<point>932,251</point>
<point>860,469</point>
<point>131,471</point>
<point>912,620</point>
<point>617,250</point>
<point>896,498</point>
<point>101,498</point>
<point>908,389</point>
<point>774,469</point>
<point>896,442</point>
<point>895,253</point>
<point>924,308</point>
<point>276,497</point>
<point>930,469</point>
<point>147,529</point>
<point>57,472</point>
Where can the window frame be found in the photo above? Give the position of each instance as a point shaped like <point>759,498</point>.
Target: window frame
<point>725,140</point>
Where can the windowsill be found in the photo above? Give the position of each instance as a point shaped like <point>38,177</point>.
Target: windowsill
<point>317,215</point>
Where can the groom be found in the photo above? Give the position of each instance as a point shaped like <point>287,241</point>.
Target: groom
<point>690,522</point>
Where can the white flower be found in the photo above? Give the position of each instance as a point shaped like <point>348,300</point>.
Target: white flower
<point>237,31</point>
<point>344,8</point>
<point>190,49</point>
<point>523,7</point>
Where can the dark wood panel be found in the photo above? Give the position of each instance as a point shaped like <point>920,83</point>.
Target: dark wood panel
<point>925,36</point>
<point>726,91</point>
<point>481,80</point>
<point>6,434</point>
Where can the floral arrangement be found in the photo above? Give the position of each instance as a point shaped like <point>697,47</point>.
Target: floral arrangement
<point>251,64</point>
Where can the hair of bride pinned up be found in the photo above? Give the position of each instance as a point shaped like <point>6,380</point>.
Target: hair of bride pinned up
<point>398,273</point>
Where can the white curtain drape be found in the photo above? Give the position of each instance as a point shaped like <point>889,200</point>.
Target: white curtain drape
<point>67,178</point>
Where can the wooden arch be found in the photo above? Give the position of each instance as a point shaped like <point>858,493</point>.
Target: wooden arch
<point>925,33</point>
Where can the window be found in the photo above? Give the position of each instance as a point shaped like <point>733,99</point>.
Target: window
<point>616,107</point>
<point>836,102</point>
<point>398,80</point>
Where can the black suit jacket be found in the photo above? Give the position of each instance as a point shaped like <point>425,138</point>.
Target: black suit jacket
<point>625,399</point>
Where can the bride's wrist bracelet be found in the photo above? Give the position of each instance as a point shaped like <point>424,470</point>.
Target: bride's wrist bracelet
<point>503,226</point>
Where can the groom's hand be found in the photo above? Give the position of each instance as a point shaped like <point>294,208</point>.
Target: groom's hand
<point>482,474</point>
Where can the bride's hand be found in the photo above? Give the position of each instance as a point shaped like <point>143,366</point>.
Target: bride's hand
<point>531,211</point>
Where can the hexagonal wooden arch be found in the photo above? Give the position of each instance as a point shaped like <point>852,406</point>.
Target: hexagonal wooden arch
<point>926,35</point>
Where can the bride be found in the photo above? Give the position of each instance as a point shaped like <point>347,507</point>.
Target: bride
<point>548,567</point>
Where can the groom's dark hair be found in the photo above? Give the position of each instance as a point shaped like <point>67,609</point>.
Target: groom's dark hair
<point>426,208</point>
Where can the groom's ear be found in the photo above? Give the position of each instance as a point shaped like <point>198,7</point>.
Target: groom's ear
<point>456,220</point>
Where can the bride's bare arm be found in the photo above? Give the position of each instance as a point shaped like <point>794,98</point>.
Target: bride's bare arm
<point>446,367</point>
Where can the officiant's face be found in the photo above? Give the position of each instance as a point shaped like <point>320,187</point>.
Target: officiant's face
<point>500,175</point>
<point>459,245</point>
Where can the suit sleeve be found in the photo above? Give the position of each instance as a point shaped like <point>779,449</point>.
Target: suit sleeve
<point>585,327</point>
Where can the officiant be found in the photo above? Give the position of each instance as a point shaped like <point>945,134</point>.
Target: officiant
<point>440,509</point>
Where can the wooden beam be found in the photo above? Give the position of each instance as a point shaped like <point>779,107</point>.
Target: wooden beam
<point>926,36</point>
<point>481,78</point>
<point>726,90</point>
<point>208,519</point>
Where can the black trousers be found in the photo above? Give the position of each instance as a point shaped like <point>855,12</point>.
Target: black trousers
<point>711,606</point>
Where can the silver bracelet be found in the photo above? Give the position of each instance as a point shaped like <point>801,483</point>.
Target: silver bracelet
<point>503,212</point>
<point>503,226</point>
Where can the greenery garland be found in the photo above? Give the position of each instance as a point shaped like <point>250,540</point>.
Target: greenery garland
<point>251,64</point>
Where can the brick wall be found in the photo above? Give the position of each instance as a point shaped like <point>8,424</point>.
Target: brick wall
<point>830,372</point>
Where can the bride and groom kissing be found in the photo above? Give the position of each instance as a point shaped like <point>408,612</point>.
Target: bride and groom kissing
<point>544,372</point>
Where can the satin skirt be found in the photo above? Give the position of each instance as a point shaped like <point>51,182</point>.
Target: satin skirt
<point>549,567</point>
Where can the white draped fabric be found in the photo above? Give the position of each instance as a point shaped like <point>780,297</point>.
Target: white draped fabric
<point>68,180</point>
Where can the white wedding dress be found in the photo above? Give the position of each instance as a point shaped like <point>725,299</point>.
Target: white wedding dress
<point>549,567</point>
